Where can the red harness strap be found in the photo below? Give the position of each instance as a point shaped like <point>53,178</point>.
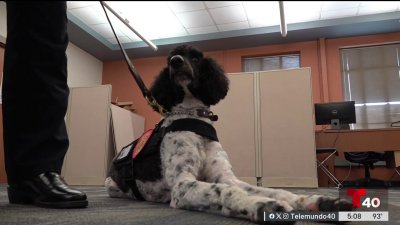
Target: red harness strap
<point>142,142</point>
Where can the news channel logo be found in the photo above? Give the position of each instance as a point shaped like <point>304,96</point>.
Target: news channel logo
<point>366,199</point>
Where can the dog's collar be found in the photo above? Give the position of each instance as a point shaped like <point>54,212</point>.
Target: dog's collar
<point>195,112</point>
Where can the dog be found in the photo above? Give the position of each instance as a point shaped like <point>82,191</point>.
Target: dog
<point>189,169</point>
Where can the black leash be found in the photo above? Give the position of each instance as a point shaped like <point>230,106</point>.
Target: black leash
<point>146,93</point>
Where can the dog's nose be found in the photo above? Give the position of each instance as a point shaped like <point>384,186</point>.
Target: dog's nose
<point>176,61</point>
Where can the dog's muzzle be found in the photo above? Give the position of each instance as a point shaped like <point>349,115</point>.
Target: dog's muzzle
<point>177,61</point>
<point>180,69</point>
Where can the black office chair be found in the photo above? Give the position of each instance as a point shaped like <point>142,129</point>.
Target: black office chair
<point>367,159</point>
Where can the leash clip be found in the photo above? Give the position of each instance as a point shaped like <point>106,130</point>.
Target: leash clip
<point>159,108</point>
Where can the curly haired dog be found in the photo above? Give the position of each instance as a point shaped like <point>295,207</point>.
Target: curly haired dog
<point>190,169</point>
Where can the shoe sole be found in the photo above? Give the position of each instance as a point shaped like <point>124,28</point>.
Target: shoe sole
<point>25,198</point>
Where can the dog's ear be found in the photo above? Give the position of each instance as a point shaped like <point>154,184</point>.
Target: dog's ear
<point>165,91</point>
<point>212,84</point>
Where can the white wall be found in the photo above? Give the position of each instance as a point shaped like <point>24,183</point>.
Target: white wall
<point>83,68</point>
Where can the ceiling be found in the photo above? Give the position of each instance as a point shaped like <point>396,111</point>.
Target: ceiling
<point>220,25</point>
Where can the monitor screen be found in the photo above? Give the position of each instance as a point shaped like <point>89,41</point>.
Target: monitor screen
<point>337,114</point>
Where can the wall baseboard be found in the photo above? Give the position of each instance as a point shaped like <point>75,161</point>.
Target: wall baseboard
<point>285,182</point>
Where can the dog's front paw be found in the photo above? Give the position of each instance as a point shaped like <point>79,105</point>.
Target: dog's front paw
<point>329,204</point>
<point>334,204</point>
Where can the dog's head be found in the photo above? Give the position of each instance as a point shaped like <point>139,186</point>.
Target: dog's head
<point>188,72</point>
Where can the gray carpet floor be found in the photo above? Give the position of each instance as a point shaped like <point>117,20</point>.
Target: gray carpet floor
<point>105,210</point>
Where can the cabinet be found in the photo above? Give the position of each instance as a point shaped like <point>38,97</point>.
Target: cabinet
<point>88,125</point>
<point>97,130</point>
<point>266,125</point>
<point>126,127</point>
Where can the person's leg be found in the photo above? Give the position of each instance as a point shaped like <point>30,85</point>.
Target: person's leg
<point>35,90</point>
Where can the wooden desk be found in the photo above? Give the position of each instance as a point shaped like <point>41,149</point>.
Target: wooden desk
<point>380,140</point>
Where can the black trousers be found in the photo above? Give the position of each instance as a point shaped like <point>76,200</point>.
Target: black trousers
<point>35,91</point>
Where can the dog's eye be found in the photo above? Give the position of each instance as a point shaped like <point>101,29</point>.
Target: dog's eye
<point>195,60</point>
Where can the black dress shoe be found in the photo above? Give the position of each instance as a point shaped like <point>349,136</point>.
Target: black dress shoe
<point>47,190</point>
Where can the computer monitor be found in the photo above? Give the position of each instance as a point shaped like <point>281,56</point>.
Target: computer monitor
<point>338,114</point>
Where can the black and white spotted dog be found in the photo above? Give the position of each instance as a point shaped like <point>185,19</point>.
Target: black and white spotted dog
<point>190,169</point>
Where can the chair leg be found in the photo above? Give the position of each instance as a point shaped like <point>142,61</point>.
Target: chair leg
<point>368,181</point>
<point>367,173</point>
